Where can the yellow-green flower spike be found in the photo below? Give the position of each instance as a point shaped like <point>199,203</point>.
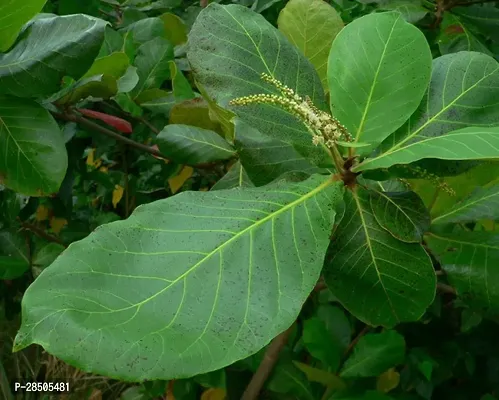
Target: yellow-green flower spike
<point>325,128</point>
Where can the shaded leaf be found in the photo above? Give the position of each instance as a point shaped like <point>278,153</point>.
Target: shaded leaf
<point>311,25</point>
<point>46,52</point>
<point>337,324</point>
<point>375,353</point>
<point>46,255</point>
<point>178,181</point>
<point>227,250</point>
<point>455,36</point>
<point>378,71</point>
<point>97,87</point>
<point>320,376</point>
<point>483,203</point>
<point>228,61</point>
<point>379,279</point>
<point>117,195</point>
<point>235,177</point>
<point>175,29</point>
<point>469,260</point>
<point>152,64</point>
<point>181,87</point>
<point>319,343</point>
<point>403,214</point>
<point>14,17</point>
<point>145,30</point>
<point>157,101</point>
<point>34,158</point>
<point>14,255</point>
<point>190,145</point>
<point>388,380</point>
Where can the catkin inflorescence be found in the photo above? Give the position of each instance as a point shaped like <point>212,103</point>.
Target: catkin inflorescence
<point>325,128</point>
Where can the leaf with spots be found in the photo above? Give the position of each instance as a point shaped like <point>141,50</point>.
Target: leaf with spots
<point>33,157</point>
<point>379,279</point>
<point>230,47</point>
<point>186,285</point>
<point>470,261</point>
<point>379,69</point>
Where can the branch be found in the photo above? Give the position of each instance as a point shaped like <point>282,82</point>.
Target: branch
<point>469,3</point>
<point>265,368</point>
<point>443,288</point>
<point>41,233</point>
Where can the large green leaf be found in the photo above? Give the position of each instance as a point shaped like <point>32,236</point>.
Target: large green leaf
<point>403,214</point>
<point>379,69</point>
<point>152,64</point>
<point>34,158</point>
<point>186,285</point>
<point>264,158</point>
<point>481,204</point>
<point>13,16</point>
<point>191,145</point>
<point>379,279</point>
<point>311,25</point>
<point>374,354</point>
<point>46,52</point>
<point>230,47</point>
<point>463,92</point>
<point>470,261</point>
<point>473,143</point>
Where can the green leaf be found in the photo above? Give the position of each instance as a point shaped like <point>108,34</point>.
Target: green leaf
<point>175,29</point>
<point>46,255</point>
<point>14,255</point>
<point>14,16</point>
<point>98,86</point>
<point>190,145</point>
<point>411,11</point>
<point>157,101</point>
<point>236,177</point>
<point>319,343</point>
<point>455,36</point>
<point>463,92</point>
<point>241,263</point>
<point>403,214</point>
<point>265,158</point>
<point>128,81</point>
<point>115,65</point>
<point>485,19</point>
<point>337,324</point>
<point>34,158</point>
<point>469,260</point>
<point>287,378</point>
<point>146,30</point>
<point>378,71</point>
<point>483,203</point>
<point>46,52</point>
<point>181,87</point>
<point>320,376</point>
<point>311,25</point>
<point>152,64</point>
<point>230,47</point>
<point>473,143</point>
<point>374,354</point>
<point>379,279</point>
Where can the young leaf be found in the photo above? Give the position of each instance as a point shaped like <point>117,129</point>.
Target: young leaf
<point>190,145</point>
<point>463,92</point>
<point>483,203</point>
<point>464,144</point>
<point>469,260</point>
<point>34,158</point>
<point>43,56</point>
<point>374,354</point>
<point>14,16</point>
<point>152,64</point>
<point>230,47</point>
<point>379,279</point>
<point>311,25</point>
<point>378,71</point>
<point>116,122</point>
<point>403,214</point>
<point>239,263</point>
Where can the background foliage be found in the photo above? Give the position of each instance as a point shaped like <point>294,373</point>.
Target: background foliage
<point>108,105</point>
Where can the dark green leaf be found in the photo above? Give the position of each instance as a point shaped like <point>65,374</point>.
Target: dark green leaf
<point>455,36</point>
<point>190,145</point>
<point>379,279</point>
<point>130,317</point>
<point>14,255</point>
<point>181,87</point>
<point>46,52</point>
<point>337,324</point>
<point>236,177</point>
<point>175,29</point>
<point>320,344</point>
<point>146,30</point>
<point>34,158</point>
<point>378,71</point>
<point>403,214</point>
<point>230,47</point>
<point>374,354</point>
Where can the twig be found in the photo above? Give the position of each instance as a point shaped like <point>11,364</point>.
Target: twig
<point>265,368</point>
<point>355,341</point>
<point>469,3</point>
<point>443,288</point>
<point>203,3</point>
<point>41,233</point>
